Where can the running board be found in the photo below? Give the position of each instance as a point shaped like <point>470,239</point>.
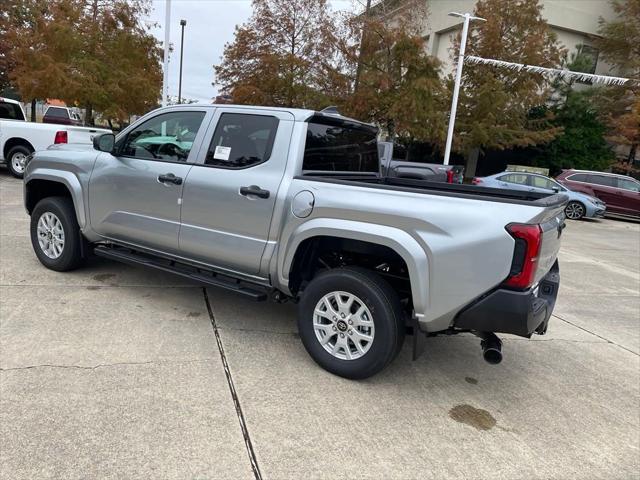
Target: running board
<point>207,277</point>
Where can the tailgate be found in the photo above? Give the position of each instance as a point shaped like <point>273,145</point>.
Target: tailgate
<point>83,134</point>
<point>552,224</point>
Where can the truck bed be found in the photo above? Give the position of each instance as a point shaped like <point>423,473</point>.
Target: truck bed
<point>472,192</point>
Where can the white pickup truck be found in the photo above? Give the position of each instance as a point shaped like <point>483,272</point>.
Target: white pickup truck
<point>19,138</point>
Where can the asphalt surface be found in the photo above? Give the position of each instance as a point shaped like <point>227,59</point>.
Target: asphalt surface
<point>116,372</point>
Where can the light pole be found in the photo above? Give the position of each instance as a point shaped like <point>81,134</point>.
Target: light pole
<point>165,73</point>
<point>456,86</point>
<point>183,23</point>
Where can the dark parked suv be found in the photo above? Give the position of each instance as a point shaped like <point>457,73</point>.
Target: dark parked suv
<point>61,116</point>
<point>620,193</point>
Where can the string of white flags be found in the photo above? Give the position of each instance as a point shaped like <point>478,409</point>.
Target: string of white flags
<point>553,72</point>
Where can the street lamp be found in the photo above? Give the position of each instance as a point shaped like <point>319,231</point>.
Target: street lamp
<point>182,24</point>
<point>456,86</point>
<point>167,36</point>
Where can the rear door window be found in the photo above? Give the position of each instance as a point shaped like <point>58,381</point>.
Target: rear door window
<point>242,140</point>
<point>603,180</point>
<point>517,178</point>
<point>10,111</point>
<point>340,146</point>
<point>541,182</point>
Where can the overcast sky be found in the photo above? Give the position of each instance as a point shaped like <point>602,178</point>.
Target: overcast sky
<point>210,24</point>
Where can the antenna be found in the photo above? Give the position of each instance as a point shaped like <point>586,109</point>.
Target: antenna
<point>332,110</point>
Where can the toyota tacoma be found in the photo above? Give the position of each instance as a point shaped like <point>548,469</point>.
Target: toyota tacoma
<point>289,204</point>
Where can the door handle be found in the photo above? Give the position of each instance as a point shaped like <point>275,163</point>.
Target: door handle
<point>170,178</point>
<point>254,190</point>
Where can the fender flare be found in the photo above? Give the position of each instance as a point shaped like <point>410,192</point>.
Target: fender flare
<point>70,181</point>
<point>413,253</point>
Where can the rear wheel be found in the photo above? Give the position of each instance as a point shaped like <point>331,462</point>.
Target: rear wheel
<point>16,160</point>
<point>55,234</point>
<point>574,210</point>
<point>350,322</point>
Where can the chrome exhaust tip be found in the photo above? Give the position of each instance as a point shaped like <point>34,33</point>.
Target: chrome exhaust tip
<point>491,348</point>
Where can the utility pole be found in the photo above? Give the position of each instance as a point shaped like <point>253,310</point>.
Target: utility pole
<point>456,86</point>
<point>167,37</point>
<point>183,23</point>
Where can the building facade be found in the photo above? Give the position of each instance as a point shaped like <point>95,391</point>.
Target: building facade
<point>575,22</point>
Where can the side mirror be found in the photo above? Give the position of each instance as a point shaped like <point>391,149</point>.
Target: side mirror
<point>105,142</point>
<point>556,189</point>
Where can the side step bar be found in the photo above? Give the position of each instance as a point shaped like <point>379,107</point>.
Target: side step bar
<point>207,277</point>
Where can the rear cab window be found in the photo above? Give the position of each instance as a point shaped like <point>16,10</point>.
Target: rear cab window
<point>338,145</point>
<point>10,111</point>
<point>57,112</point>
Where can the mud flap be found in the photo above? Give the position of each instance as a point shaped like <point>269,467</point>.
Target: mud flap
<point>419,339</point>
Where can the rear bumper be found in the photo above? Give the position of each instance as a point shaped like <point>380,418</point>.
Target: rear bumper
<point>517,312</point>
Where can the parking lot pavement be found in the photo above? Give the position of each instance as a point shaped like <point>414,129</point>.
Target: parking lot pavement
<point>115,372</point>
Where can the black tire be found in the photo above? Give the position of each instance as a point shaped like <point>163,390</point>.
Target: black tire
<point>575,210</point>
<point>17,150</point>
<point>71,255</point>
<point>386,312</point>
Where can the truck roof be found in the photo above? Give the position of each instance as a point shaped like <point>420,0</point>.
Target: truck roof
<point>299,114</point>
<point>8,100</point>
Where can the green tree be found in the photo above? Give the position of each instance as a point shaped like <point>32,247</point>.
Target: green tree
<point>280,56</point>
<point>582,142</point>
<point>495,103</point>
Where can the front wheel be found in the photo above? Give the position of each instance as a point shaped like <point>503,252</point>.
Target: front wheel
<point>55,234</point>
<point>17,159</point>
<point>350,322</point>
<point>574,210</point>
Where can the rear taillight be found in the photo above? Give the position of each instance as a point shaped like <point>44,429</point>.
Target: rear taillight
<point>61,137</point>
<point>449,176</point>
<point>476,181</point>
<point>525,255</point>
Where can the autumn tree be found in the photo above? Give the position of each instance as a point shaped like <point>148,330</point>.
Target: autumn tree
<point>396,84</point>
<point>90,53</point>
<point>620,46</point>
<point>495,104</point>
<point>280,56</point>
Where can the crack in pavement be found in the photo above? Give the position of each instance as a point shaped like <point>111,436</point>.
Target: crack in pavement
<point>236,401</point>
<point>596,335</point>
<point>104,365</point>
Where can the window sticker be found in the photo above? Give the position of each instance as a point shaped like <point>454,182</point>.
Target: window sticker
<point>222,153</point>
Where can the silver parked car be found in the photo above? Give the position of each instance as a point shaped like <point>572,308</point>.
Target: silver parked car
<point>580,205</point>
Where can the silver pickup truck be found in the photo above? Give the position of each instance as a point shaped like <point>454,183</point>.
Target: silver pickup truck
<point>290,204</point>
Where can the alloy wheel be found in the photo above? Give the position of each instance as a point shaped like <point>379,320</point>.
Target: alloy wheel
<point>574,211</point>
<point>51,235</point>
<point>343,325</point>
